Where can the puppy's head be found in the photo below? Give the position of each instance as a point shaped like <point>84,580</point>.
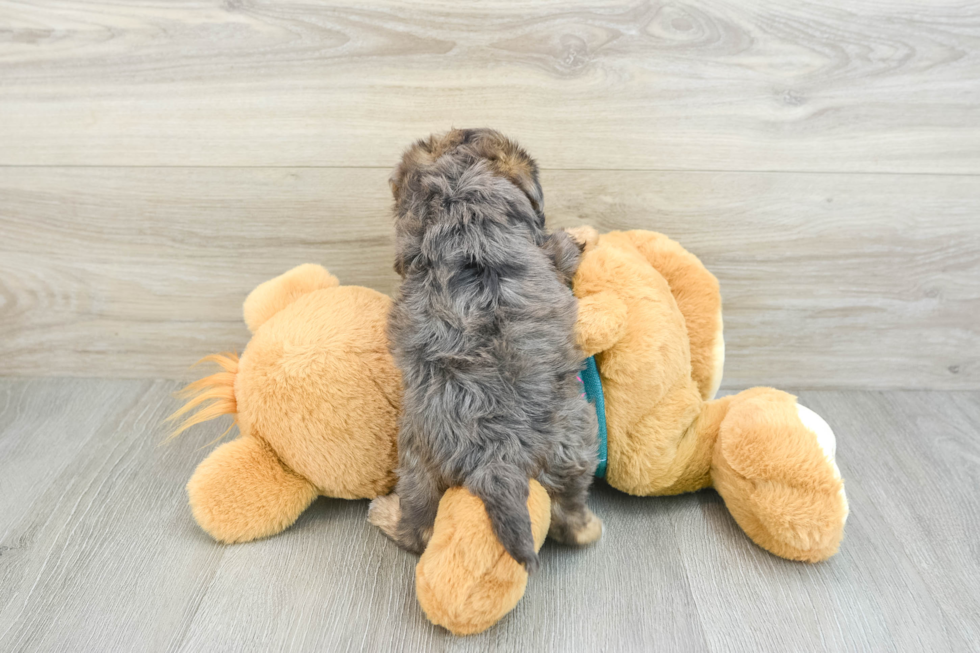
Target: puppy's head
<point>462,147</point>
<point>503,156</point>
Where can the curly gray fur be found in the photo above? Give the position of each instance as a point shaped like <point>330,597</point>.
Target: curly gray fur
<point>483,331</point>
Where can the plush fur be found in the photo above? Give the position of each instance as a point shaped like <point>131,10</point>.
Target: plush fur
<point>483,332</point>
<point>334,437</point>
<point>666,435</point>
<point>465,588</point>
<point>242,492</point>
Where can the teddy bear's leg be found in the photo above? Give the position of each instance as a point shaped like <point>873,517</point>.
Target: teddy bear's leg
<point>774,466</point>
<point>276,294</point>
<point>242,492</point>
<point>465,581</point>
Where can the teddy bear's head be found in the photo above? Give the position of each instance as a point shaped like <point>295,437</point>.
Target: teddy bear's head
<point>322,390</point>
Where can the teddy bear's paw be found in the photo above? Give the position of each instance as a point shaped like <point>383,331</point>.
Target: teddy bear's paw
<point>774,467</point>
<point>804,520</point>
<point>385,513</point>
<point>806,515</point>
<point>828,443</point>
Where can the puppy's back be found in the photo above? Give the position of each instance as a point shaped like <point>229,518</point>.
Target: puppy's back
<point>482,330</point>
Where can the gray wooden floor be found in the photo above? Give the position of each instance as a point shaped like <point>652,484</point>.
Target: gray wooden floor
<point>98,550</point>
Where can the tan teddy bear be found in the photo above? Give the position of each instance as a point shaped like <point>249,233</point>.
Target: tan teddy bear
<point>317,398</point>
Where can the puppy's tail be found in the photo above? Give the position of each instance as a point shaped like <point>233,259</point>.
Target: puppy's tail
<point>504,491</point>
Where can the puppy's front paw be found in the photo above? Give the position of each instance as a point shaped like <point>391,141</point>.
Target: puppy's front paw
<point>385,513</point>
<point>585,236</point>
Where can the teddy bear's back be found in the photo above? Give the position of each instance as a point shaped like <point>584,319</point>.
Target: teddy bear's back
<point>318,384</point>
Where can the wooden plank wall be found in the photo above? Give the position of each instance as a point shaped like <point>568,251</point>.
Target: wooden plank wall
<point>157,161</point>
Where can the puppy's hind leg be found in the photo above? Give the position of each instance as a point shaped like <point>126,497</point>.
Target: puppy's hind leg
<point>571,520</point>
<point>416,502</point>
<point>567,479</point>
<point>385,512</point>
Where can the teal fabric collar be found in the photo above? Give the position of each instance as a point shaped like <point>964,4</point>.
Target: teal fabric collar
<point>593,392</point>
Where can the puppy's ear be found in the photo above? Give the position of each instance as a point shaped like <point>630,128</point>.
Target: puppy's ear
<point>565,253</point>
<point>408,242</point>
<point>509,160</point>
<point>404,258</point>
<point>421,155</point>
<point>521,170</point>
<point>525,177</point>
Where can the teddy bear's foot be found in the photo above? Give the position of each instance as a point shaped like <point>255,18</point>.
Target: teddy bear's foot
<point>774,466</point>
<point>827,441</point>
<point>241,492</point>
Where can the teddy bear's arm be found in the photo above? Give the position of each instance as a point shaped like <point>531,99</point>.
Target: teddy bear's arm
<point>601,315</point>
<point>601,321</point>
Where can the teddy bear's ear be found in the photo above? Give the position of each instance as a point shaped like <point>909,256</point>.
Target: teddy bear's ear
<point>276,294</point>
<point>601,322</point>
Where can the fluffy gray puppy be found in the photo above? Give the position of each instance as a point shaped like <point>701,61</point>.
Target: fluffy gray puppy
<point>483,332</point>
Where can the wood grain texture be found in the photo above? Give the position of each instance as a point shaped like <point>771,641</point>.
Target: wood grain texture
<point>98,550</point>
<point>829,280</point>
<point>819,86</point>
<point>104,558</point>
<point>906,576</point>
